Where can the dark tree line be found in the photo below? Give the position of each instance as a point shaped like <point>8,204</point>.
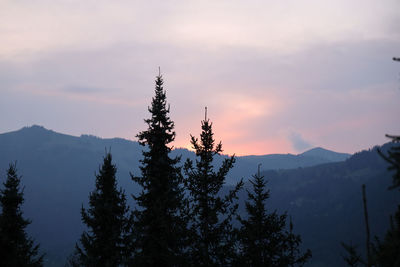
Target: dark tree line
<point>181,218</point>
<point>386,252</point>
<point>106,243</point>
<point>381,252</point>
<point>264,239</point>
<point>212,239</point>
<point>16,248</point>
<point>160,220</point>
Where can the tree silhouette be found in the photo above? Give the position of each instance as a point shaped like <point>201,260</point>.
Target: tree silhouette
<point>106,241</point>
<point>159,235</point>
<point>387,252</point>
<point>393,156</point>
<point>264,240</point>
<point>16,248</point>
<point>212,238</point>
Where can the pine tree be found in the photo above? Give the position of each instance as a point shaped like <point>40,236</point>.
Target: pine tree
<point>212,236</point>
<point>264,240</point>
<point>387,252</point>
<point>106,241</point>
<point>159,219</point>
<point>16,248</point>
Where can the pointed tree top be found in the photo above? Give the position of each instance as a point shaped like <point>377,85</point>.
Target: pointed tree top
<point>159,71</point>
<point>259,165</point>
<point>205,113</point>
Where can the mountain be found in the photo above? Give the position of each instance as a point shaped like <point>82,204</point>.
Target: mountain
<point>58,174</point>
<point>46,144</point>
<point>321,153</point>
<point>322,196</point>
<point>309,158</point>
<point>325,202</point>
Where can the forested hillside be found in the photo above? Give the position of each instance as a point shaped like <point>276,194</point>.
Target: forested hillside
<point>324,201</point>
<point>326,205</point>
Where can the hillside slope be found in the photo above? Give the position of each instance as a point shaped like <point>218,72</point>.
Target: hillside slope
<point>325,202</point>
<point>58,173</point>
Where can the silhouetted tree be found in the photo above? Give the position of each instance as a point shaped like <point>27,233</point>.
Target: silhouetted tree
<point>159,235</point>
<point>212,236</point>
<point>16,248</point>
<point>393,156</point>
<point>264,240</point>
<point>106,241</point>
<point>387,252</point>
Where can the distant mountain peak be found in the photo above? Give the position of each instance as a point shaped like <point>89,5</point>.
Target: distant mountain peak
<point>35,128</point>
<point>326,154</point>
<point>316,149</point>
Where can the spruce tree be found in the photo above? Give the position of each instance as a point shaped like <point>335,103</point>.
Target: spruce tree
<point>16,248</point>
<point>105,243</point>
<point>212,236</point>
<point>159,231</point>
<point>387,251</point>
<point>264,239</point>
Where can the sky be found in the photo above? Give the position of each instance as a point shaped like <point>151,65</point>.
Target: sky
<point>276,76</point>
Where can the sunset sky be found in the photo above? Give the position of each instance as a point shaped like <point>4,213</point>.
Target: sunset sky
<point>276,76</point>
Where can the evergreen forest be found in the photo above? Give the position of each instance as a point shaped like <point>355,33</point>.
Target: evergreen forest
<point>185,208</point>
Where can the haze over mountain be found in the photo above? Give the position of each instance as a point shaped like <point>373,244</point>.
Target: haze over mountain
<point>319,188</point>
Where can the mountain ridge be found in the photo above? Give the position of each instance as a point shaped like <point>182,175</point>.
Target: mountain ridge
<point>58,173</point>
<point>313,152</point>
<point>128,153</point>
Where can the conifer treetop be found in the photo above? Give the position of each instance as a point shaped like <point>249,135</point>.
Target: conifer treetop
<point>211,214</point>
<point>160,123</point>
<point>16,247</point>
<point>159,223</point>
<point>264,239</point>
<point>108,221</point>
